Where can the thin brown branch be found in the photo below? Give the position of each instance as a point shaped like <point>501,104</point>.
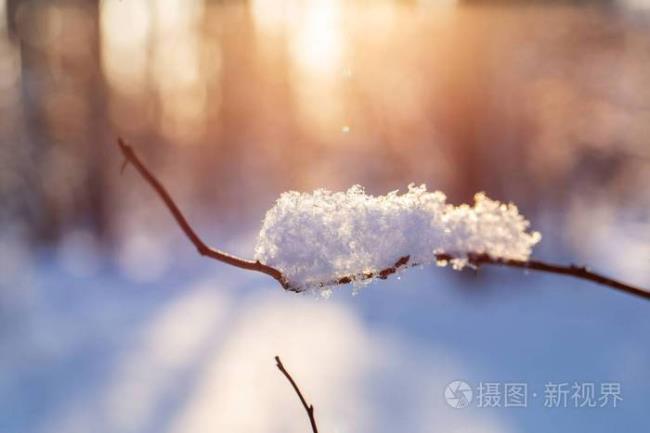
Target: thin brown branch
<point>475,260</point>
<point>131,157</point>
<point>308,407</point>
<point>382,274</point>
<point>581,272</point>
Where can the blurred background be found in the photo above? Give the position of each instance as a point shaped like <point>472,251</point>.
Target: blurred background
<point>110,322</point>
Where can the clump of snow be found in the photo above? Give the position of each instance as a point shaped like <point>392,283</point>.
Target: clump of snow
<point>316,238</point>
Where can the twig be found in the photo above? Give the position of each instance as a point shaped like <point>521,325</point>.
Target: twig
<point>382,274</point>
<point>581,272</point>
<point>308,407</point>
<point>474,259</point>
<point>201,247</point>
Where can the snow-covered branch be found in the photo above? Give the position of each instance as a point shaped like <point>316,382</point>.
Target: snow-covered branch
<point>360,234</point>
<point>323,239</point>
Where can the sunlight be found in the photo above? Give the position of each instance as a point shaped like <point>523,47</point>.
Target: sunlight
<point>125,31</point>
<point>313,29</point>
<point>313,35</point>
<point>316,40</point>
<point>177,67</point>
<point>271,16</point>
<point>316,47</point>
<point>173,338</point>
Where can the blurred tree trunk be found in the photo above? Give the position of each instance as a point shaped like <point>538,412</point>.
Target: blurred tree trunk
<point>63,108</point>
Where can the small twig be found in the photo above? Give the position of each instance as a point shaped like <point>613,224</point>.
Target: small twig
<point>581,272</point>
<point>308,407</point>
<point>474,259</point>
<point>201,247</point>
<point>382,274</point>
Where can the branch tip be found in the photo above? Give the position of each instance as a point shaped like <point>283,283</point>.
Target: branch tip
<point>204,250</point>
<point>309,408</point>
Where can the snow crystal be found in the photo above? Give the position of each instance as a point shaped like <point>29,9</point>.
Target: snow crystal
<point>316,238</point>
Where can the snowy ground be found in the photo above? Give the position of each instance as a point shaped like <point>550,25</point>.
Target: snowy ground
<point>189,348</point>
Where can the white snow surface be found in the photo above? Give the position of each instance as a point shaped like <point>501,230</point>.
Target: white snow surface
<point>314,238</point>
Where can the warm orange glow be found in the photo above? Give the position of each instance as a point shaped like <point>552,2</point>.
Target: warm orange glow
<point>112,321</point>
<point>323,39</point>
<point>155,47</point>
<point>314,36</point>
<point>125,34</point>
<point>317,38</point>
<point>271,16</point>
<point>316,44</point>
<point>177,67</point>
